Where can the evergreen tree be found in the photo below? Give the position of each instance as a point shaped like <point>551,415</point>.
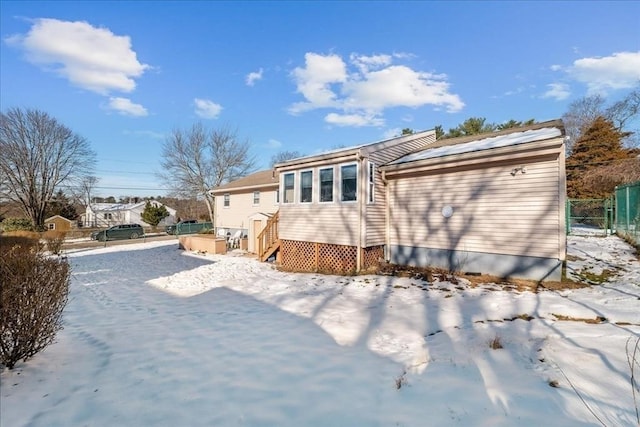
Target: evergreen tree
<point>153,214</point>
<point>598,149</point>
<point>61,205</point>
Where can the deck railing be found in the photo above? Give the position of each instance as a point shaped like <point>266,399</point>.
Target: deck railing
<point>268,240</point>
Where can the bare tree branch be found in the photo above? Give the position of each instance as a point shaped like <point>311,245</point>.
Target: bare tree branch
<point>197,160</point>
<point>38,155</point>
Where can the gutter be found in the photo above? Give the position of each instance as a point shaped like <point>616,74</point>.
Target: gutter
<point>387,217</point>
<point>361,197</point>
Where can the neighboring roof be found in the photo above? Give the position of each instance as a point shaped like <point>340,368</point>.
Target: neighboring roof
<point>362,148</point>
<point>51,218</point>
<point>260,179</point>
<point>468,144</point>
<point>112,207</point>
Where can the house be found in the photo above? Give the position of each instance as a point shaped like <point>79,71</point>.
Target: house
<point>108,214</point>
<point>247,204</point>
<point>489,204</point>
<point>333,205</point>
<point>59,223</point>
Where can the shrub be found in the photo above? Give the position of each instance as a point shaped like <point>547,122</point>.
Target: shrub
<point>14,224</point>
<point>55,240</point>
<point>33,294</point>
<point>495,343</point>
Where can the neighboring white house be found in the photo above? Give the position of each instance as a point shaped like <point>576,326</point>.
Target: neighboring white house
<point>246,204</point>
<point>108,214</point>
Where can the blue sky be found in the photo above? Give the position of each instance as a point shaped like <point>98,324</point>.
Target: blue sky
<point>304,76</point>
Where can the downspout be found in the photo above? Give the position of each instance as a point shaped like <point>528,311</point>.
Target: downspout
<point>387,217</point>
<point>361,196</point>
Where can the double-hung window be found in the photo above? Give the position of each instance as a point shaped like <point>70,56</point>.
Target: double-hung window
<point>256,197</point>
<point>326,185</point>
<point>227,200</point>
<point>289,180</point>
<point>306,187</point>
<point>349,182</point>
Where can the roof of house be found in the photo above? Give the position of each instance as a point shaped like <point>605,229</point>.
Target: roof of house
<point>51,218</point>
<point>362,148</point>
<point>260,179</point>
<point>111,207</point>
<point>473,143</point>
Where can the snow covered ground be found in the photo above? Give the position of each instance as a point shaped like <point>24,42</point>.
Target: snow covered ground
<point>155,336</point>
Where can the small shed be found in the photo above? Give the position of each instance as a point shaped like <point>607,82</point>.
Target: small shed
<point>58,223</point>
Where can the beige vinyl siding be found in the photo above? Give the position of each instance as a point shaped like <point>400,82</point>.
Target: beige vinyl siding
<point>334,223</point>
<point>493,211</point>
<point>241,207</point>
<point>375,214</point>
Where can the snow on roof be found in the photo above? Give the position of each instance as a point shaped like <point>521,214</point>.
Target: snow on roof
<point>514,138</point>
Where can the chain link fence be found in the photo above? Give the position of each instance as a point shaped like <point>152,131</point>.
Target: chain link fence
<point>627,211</point>
<point>589,217</point>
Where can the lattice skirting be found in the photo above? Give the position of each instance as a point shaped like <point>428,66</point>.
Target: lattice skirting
<point>327,258</point>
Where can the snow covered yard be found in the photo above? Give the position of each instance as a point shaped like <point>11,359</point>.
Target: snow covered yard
<point>156,336</point>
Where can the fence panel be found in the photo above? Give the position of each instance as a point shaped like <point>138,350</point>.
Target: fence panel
<point>627,211</point>
<point>589,216</point>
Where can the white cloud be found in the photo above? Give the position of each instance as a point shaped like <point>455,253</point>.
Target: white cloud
<point>362,90</point>
<point>391,133</point>
<point>146,133</point>
<point>365,63</point>
<point>354,120</point>
<point>207,109</point>
<point>253,77</point>
<point>557,91</point>
<point>125,107</point>
<point>91,58</point>
<point>315,80</point>
<point>601,75</point>
<point>274,143</point>
<point>556,68</point>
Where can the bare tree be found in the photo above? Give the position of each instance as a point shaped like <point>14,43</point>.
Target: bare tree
<point>39,155</point>
<point>197,160</point>
<point>283,156</point>
<point>83,192</point>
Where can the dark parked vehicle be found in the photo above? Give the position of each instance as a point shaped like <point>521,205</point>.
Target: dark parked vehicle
<point>171,229</point>
<point>118,232</point>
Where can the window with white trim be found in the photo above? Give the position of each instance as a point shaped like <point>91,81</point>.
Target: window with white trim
<point>349,183</point>
<point>326,185</point>
<point>371,181</point>
<point>289,187</point>
<point>256,197</point>
<point>306,187</point>
<point>227,200</point>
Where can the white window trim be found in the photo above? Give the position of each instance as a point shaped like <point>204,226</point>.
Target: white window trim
<point>299,177</point>
<point>276,196</point>
<point>224,199</point>
<point>284,191</point>
<point>333,185</point>
<point>253,195</point>
<point>340,166</point>
<point>371,183</point>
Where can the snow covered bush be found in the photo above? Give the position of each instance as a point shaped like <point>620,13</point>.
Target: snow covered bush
<point>33,294</point>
